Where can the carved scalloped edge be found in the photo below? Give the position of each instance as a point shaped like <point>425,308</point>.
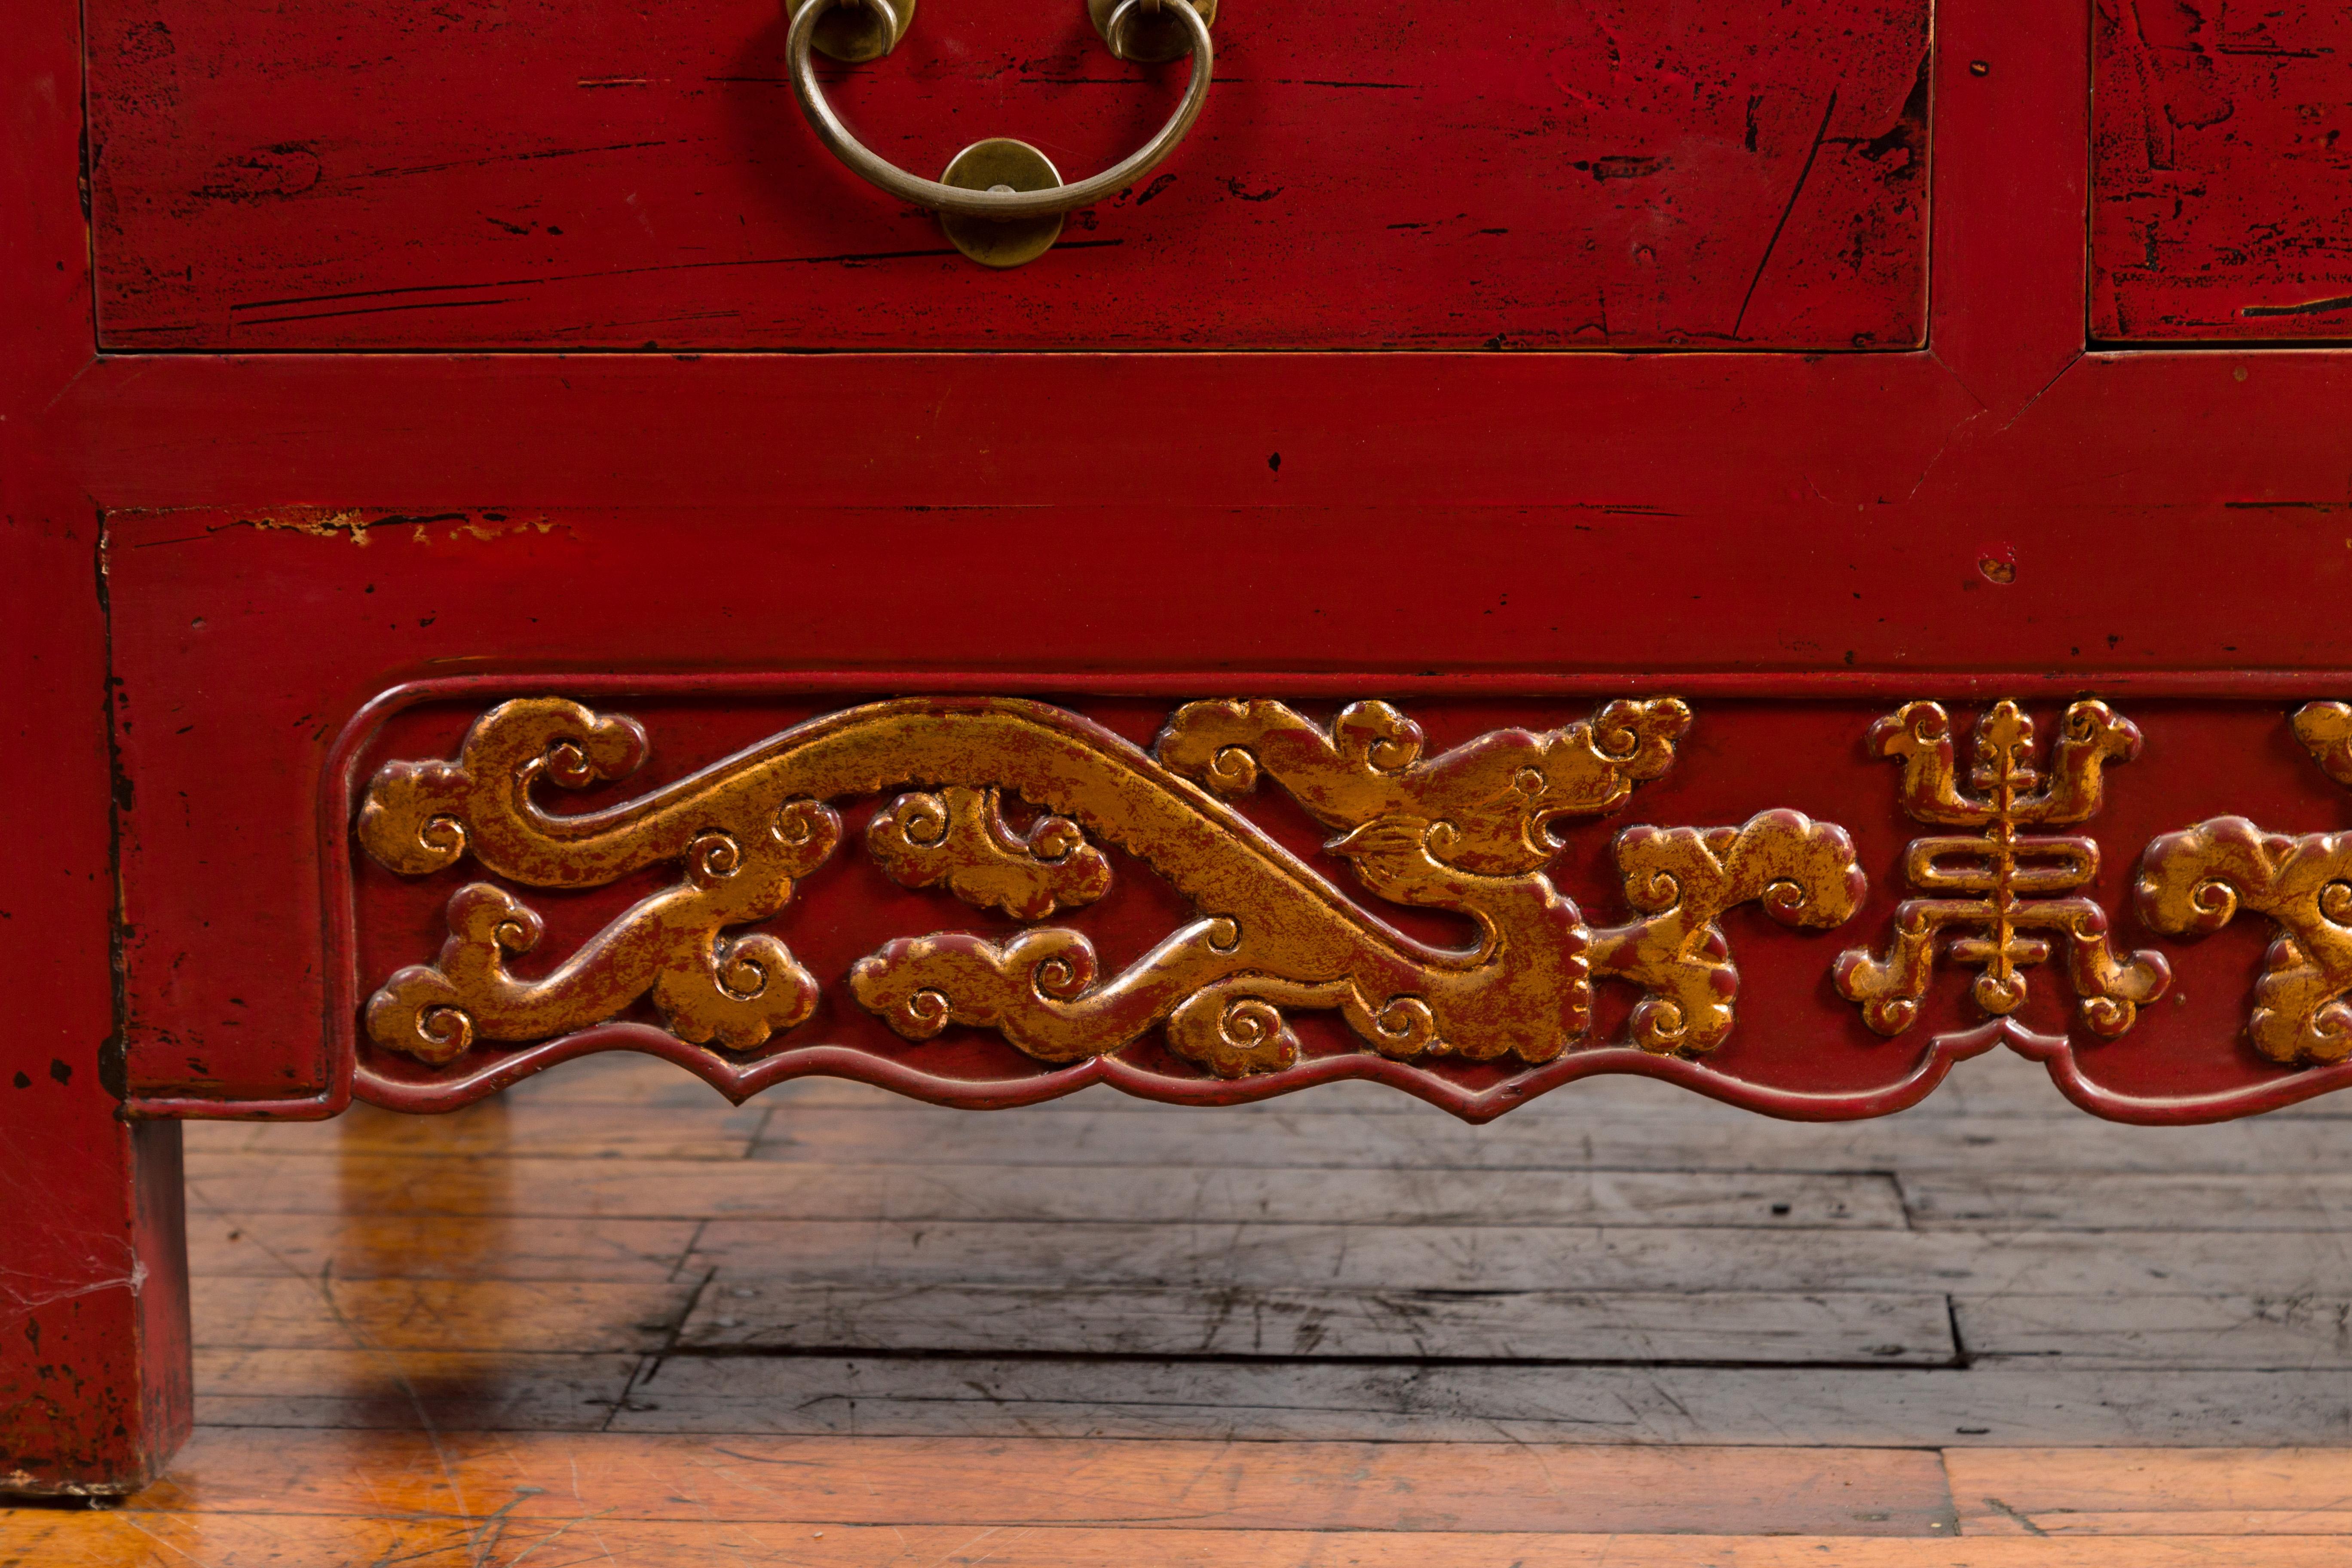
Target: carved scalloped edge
<point>346,1081</point>
<point>738,1083</point>
<point>2056,1054</point>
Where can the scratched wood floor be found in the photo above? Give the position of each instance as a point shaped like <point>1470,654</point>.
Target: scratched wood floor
<point>608,1318</point>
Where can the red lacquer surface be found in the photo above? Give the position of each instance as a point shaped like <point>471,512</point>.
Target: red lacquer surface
<point>94,1374</point>
<point>2172,530</point>
<point>551,173</point>
<point>1800,1051</point>
<point>236,996</point>
<point>2219,203</point>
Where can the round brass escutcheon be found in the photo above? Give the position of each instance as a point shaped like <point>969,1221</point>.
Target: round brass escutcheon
<point>1001,163</point>
<point>852,32</point>
<point>1153,38</point>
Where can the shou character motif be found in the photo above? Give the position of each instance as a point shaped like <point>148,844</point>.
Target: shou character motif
<point>2000,894</point>
<point>2195,881</point>
<point>1469,830</point>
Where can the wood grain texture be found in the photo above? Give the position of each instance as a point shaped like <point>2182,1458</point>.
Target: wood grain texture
<point>579,1316</point>
<point>1998,1401</point>
<point>447,1247</point>
<point>1635,1128</point>
<point>498,1127</point>
<point>2156,1201</point>
<point>1181,1194</point>
<point>2307,1333</point>
<point>2219,206</point>
<point>473,1382</point>
<point>740,1312</point>
<point>1507,1258</point>
<point>2151,1491</point>
<point>550,176</point>
<point>169,1541</point>
<point>1015,1482</point>
<point>356,1387</point>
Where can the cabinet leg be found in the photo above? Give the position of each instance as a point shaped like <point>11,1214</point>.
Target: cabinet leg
<point>94,1376</point>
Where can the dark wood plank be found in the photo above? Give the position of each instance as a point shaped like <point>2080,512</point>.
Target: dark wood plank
<point>1506,1257</point>
<point>1346,1321</point>
<point>2002,1403</point>
<point>399,1390</point>
<point>2307,1333</point>
<point>1617,1133</point>
<point>2313,1202</point>
<point>253,1184</point>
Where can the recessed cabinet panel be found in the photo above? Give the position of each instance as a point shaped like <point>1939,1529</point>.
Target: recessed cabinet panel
<point>2222,178</point>
<point>1556,174</point>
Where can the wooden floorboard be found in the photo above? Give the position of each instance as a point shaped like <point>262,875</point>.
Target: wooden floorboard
<point>608,1318</point>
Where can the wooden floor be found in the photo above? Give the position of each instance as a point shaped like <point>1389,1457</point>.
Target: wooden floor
<point>609,1318</point>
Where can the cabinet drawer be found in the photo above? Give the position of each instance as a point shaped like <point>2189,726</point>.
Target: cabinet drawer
<point>527,174</point>
<point>2220,208</point>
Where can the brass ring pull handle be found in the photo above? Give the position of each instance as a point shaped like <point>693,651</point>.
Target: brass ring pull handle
<point>1001,201</point>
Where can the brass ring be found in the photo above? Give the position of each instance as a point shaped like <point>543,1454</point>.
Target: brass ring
<point>998,204</point>
<point>1118,19</point>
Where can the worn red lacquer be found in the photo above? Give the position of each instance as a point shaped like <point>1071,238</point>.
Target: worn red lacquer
<point>552,174</point>
<point>1795,543</point>
<point>2220,203</point>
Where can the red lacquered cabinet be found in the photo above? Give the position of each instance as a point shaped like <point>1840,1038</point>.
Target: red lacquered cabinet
<point>1774,546</point>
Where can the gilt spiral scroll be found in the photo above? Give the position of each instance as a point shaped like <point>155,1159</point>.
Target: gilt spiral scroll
<point>1009,805</point>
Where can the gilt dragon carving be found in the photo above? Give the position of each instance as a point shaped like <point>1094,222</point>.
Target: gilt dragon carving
<point>1007,805</point>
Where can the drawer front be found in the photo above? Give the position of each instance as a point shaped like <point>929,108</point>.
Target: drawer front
<point>2221,208</point>
<point>1555,174</point>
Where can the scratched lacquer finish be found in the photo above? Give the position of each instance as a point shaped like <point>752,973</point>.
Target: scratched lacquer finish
<point>2221,191</point>
<point>1457,174</point>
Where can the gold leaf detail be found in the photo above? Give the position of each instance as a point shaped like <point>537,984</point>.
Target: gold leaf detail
<point>958,836</point>
<point>1468,831</point>
<point>1996,886</point>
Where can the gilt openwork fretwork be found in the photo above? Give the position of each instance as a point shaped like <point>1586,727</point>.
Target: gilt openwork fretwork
<point>2195,881</point>
<point>1008,805</point>
<point>2009,891</point>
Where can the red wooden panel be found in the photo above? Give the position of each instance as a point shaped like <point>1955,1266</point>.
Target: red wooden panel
<point>258,644</point>
<point>559,174</point>
<point>94,1377</point>
<point>2221,204</point>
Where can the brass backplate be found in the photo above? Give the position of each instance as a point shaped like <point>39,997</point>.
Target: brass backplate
<point>852,32</point>
<point>1002,163</point>
<point>1152,38</point>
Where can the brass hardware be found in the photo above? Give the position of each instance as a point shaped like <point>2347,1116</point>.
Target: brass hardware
<point>1142,30</point>
<point>858,30</point>
<point>1128,24</point>
<point>1001,163</point>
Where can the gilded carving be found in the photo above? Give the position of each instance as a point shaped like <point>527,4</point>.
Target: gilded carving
<point>959,838</point>
<point>2195,881</point>
<point>1468,831</point>
<point>710,988</point>
<point>2010,893</point>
